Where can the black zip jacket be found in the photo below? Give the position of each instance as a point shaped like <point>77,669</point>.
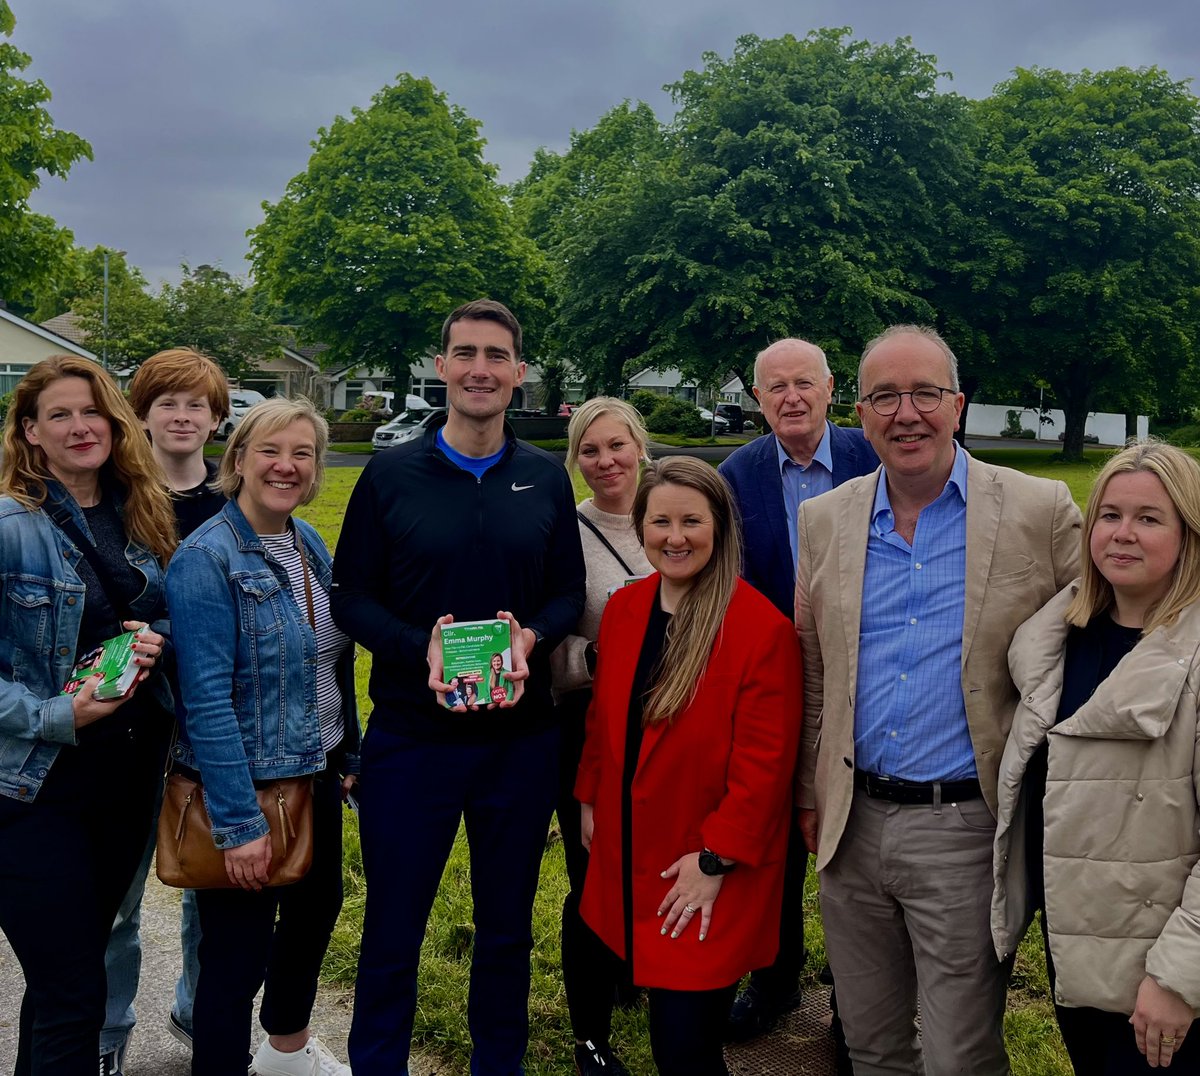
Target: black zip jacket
<point>422,538</point>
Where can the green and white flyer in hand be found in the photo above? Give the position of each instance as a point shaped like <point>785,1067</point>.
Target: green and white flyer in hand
<point>476,658</point>
<point>114,658</point>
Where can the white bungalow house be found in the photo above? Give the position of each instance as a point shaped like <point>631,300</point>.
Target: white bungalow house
<point>22,344</point>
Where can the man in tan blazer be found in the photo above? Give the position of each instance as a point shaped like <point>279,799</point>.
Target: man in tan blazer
<point>910,584</point>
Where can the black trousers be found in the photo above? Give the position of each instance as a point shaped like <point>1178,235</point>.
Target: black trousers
<point>782,978</point>
<point>1101,1043</point>
<point>415,792</point>
<point>66,860</point>
<point>242,945</point>
<point>686,1026</point>
<point>576,950</point>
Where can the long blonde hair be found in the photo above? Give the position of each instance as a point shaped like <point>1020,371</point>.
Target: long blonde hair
<point>147,513</point>
<point>1180,476</point>
<point>698,617</point>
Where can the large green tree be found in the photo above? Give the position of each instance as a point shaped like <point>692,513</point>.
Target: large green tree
<point>396,220</point>
<point>799,190</point>
<point>208,309</point>
<point>79,276</point>
<point>1085,256</point>
<point>213,312</point>
<point>32,246</point>
<point>587,209</point>
<point>816,174</point>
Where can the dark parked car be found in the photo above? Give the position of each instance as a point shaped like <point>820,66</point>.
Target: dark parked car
<point>733,414</point>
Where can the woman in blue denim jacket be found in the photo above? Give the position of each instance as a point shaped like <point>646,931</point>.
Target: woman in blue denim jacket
<point>85,529</point>
<point>268,688</point>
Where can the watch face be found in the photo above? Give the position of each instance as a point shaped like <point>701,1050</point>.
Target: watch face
<point>709,864</point>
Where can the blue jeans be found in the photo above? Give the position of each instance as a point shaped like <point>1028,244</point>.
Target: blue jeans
<point>123,957</point>
<point>414,792</point>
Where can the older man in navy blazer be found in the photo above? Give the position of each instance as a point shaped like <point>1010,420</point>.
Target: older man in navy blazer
<point>803,456</point>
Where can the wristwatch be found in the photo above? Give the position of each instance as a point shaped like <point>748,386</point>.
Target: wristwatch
<point>710,864</point>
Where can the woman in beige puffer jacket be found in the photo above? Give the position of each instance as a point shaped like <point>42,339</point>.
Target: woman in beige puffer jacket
<point>1098,785</point>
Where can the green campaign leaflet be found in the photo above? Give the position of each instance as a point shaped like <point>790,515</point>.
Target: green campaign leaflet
<point>114,657</point>
<point>477,656</point>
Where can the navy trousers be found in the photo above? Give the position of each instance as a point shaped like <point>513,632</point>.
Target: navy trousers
<point>66,860</point>
<point>414,792</point>
<point>276,936</point>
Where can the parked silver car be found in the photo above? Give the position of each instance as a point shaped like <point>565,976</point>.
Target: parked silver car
<point>240,401</point>
<point>404,427</point>
<point>719,425</point>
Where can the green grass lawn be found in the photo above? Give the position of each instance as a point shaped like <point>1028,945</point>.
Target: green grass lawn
<point>441,1026</point>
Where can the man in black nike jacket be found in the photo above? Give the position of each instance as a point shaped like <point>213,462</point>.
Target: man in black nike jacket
<point>468,523</point>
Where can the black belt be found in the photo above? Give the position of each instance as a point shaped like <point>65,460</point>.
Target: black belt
<point>900,791</point>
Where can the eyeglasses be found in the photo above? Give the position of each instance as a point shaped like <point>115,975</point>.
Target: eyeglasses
<point>886,403</point>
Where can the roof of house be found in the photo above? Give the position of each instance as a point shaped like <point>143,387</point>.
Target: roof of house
<point>669,378</point>
<point>55,338</point>
<point>308,351</point>
<point>67,326</point>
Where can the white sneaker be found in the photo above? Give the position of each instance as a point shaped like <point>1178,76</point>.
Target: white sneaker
<point>313,1060</point>
<point>330,1065</point>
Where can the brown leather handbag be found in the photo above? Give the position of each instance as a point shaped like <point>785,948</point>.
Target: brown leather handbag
<point>186,857</point>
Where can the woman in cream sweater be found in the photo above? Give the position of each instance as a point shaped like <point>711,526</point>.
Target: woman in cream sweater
<point>607,442</point>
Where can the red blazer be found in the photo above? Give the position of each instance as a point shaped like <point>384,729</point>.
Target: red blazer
<point>717,775</point>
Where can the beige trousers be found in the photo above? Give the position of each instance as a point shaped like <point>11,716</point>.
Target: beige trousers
<point>905,904</point>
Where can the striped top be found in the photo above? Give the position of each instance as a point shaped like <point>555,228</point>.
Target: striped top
<point>331,640</point>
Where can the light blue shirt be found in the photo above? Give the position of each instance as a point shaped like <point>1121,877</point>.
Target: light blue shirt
<point>801,483</point>
<point>910,720</point>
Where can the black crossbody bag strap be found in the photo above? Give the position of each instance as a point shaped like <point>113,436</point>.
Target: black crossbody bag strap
<point>62,519</point>
<point>604,541</point>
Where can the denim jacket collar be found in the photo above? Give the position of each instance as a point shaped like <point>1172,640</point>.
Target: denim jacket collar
<point>247,538</point>
<point>248,541</point>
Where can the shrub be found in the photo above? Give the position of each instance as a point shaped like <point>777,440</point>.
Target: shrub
<point>1013,427</point>
<point>5,404</point>
<point>676,416</point>
<point>644,402</point>
<point>1184,436</point>
<point>848,421</point>
<point>357,414</point>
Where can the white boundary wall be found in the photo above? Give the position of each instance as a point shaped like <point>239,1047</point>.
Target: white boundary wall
<point>987,420</point>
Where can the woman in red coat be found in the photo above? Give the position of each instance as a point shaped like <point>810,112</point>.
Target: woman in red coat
<point>686,772</point>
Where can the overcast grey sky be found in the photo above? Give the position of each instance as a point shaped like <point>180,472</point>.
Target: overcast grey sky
<point>199,112</point>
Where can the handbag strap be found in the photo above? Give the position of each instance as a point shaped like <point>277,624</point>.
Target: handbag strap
<point>604,541</point>
<point>308,598</point>
<point>61,516</point>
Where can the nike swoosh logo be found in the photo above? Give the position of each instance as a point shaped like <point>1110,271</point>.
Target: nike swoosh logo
<point>517,489</point>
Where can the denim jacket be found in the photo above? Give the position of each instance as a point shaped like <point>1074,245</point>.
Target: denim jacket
<point>41,603</point>
<point>247,670</point>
